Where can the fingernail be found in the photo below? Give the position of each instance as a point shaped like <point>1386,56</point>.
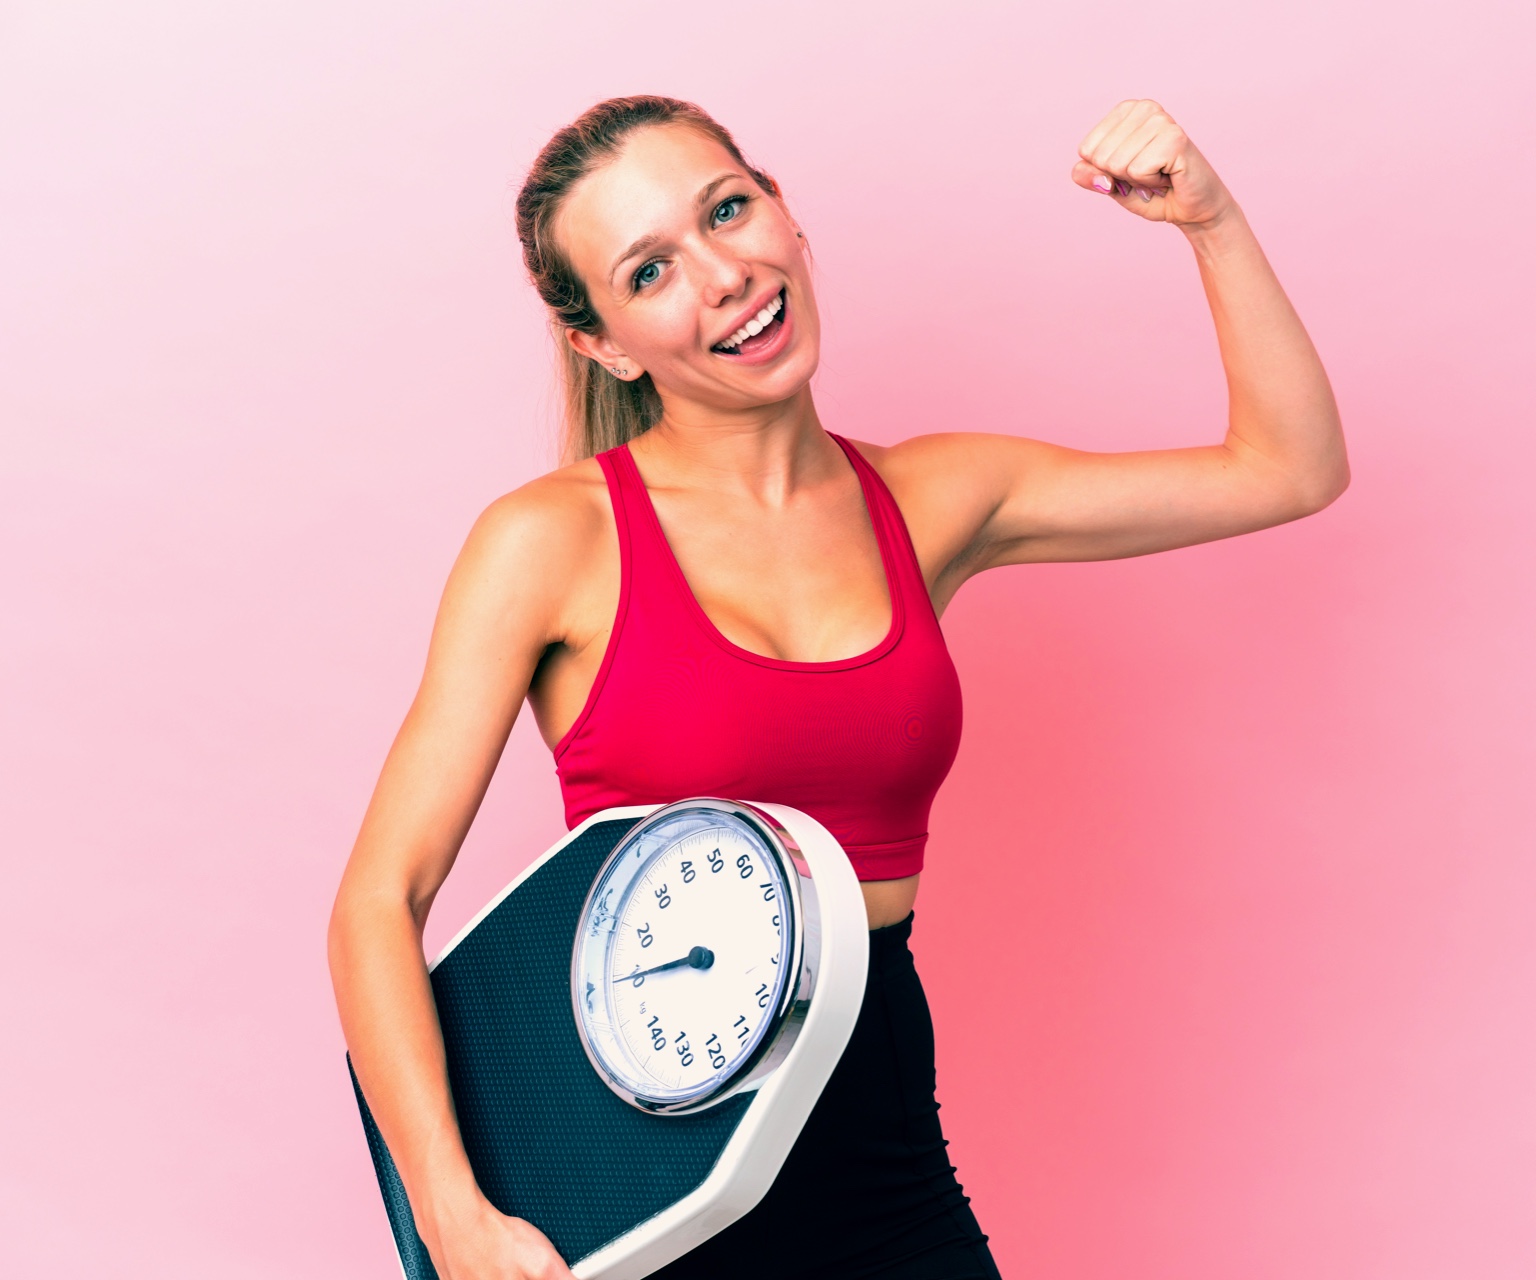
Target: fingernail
<point>1102,183</point>
<point>1144,193</point>
<point>1123,187</point>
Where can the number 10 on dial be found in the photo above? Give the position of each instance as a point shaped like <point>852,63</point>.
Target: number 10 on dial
<point>688,976</point>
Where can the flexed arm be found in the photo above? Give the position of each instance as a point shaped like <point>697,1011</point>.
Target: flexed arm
<point>1283,454</point>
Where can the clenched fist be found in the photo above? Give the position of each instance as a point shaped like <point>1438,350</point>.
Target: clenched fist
<point>1138,155</point>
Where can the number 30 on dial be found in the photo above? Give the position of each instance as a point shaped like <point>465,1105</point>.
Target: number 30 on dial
<point>688,977</point>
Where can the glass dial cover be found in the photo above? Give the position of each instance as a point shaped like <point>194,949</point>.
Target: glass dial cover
<point>688,953</point>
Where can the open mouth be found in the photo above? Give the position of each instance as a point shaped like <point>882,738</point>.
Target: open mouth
<point>758,331</point>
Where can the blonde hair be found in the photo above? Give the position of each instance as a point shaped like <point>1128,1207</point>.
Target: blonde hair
<point>599,411</point>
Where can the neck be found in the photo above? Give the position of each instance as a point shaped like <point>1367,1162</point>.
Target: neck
<point>765,453</point>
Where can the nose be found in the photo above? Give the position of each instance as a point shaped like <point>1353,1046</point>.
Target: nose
<point>725,275</point>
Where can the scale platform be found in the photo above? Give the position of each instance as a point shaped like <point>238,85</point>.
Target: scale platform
<point>619,1191</point>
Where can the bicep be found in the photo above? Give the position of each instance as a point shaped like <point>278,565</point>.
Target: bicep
<point>1046,502</point>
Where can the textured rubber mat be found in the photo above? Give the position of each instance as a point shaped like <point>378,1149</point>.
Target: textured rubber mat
<point>548,1140</point>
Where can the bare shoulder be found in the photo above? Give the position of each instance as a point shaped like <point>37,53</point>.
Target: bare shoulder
<point>538,549</point>
<point>554,515</point>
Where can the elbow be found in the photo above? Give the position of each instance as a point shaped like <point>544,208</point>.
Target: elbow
<point>1331,476</point>
<point>1323,491</point>
<point>1310,474</point>
<point>1321,484</point>
<point>364,912</point>
<point>1330,487</point>
<point>349,927</point>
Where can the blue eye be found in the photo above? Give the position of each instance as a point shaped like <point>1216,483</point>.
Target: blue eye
<point>640,276</point>
<point>726,203</point>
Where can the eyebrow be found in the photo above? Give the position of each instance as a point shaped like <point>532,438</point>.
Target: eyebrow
<point>651,238</point>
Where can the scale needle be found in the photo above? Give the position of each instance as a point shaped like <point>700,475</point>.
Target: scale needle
<point>698,958</point>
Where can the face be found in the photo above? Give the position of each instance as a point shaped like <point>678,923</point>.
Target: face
<point>679,249</point>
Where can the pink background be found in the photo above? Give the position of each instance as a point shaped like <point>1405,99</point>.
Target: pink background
<point>1227,923</point>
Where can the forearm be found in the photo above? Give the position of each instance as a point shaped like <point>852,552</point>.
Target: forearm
<point>384,997</point>
<point>1282,413</point>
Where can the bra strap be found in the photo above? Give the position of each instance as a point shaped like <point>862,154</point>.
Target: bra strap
<point>613,473</point>
<point>890,525</point>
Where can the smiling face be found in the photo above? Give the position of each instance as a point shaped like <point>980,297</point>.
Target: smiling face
<point>682,253</point>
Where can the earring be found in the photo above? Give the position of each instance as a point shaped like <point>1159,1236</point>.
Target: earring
<point>801,234</point>
<point>618,371</point>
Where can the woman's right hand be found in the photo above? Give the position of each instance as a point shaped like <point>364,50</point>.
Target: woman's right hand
<point>485,1244</point>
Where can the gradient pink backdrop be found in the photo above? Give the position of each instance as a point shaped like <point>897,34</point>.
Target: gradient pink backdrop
<point>1227,922</point>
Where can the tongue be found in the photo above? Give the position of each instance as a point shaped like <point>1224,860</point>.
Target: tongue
<point>762,337</point>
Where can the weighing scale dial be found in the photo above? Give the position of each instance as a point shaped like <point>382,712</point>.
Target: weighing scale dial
<point>688,977</point>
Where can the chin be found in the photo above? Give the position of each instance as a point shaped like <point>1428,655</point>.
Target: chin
<point>784,382</point>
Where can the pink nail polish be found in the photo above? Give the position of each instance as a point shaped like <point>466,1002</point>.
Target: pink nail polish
<point>1123,187</point>
<point>1101,183</point>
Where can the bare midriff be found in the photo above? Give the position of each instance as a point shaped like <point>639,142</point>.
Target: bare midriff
<point>889,901</point>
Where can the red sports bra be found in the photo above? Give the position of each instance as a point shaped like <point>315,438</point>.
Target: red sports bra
<point>861,744</point>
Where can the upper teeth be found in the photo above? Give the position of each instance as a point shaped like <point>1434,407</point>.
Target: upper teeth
<point>756,324</point>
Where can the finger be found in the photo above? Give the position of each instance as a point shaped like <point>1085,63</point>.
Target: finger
<point>1117,166</point>
<point>1113,138</point>
<point>1103,129</point>
<point>1155,164</point>
<point>1144,179</point>
<point>1150,171</point>
<point>1085,175</point>
<point>1127,148</point>
<point>1125,117</point>
<point>1108,124</point>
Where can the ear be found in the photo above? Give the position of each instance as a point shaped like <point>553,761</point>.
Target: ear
<point>600,349</point>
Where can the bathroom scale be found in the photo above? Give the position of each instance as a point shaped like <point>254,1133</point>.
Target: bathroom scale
<point>638,1026</point>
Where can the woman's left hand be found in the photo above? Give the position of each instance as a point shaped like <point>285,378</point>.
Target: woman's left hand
<point>1138,155</point>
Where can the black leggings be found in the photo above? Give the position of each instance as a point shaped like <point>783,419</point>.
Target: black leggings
<point>867,1190</point>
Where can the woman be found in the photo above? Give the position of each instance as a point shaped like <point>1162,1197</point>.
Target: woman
<point>717,596</point>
